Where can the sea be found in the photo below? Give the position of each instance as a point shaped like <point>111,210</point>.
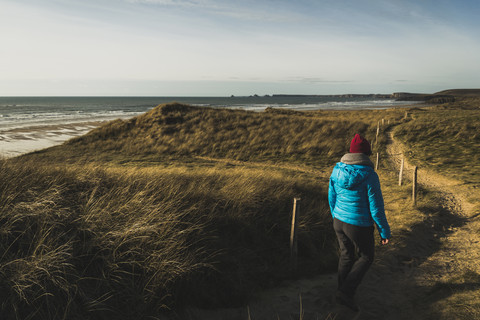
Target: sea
<point>18,112</point>
<point>31,123</point>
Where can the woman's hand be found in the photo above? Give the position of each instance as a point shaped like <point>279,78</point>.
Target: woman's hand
<point>384,242</point>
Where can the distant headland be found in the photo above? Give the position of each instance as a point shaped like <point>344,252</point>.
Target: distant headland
<point>438,97</point>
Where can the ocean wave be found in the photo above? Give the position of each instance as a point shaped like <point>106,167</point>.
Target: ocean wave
<point>337,105</point>
<point>22,120</point>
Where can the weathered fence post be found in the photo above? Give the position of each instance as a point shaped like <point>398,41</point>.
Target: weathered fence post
<point>376,136</point>
<point>400,176</point>
<point>414,188</point>
<point>378,160</point>
<point>383,122</point>
<point>293,235</point>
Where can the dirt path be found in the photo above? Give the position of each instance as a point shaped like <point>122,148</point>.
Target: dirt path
<point>456,193</point>
<point>411,279</point>
<point>458,200</point>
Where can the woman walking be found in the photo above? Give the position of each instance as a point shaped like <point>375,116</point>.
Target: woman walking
<point>356,204</point>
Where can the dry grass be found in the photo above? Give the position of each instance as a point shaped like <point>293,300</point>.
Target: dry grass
<point>177,132</point>
<point>198,212</point>
<point>182,205</point>
<point>86,240</point>
<point>446,140</point>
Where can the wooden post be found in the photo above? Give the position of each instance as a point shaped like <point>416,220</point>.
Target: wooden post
<point>400,176</point>
<point>293,235</point>
<point>376,136</point>
<point>378,160</point>
<point>414,189</point>
<point>383,122</point>
<point>406,115</point>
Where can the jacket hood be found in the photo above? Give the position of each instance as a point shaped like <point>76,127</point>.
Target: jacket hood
<point>350,176</point>
<point>357,158</point>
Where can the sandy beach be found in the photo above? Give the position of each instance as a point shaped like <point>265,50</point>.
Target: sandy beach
<point>18,141</point>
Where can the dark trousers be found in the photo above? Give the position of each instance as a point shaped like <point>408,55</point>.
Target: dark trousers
<point>357,247</point>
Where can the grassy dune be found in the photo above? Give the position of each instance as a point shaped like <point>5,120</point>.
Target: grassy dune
<point>87,241</point>
<point>184,133</point>
<point>191,206</point>
<point>446,139</point>
<point>181,205</point>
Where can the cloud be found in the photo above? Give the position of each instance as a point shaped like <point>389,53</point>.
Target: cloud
<point>180,3</point>
<point>303,45</point>
<point>249,11</point>
<point>314,80</point>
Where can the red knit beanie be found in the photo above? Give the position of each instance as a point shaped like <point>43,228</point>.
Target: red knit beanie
<point>360,145</point>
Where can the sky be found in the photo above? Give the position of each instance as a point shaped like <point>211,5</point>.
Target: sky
<point>237,47</point>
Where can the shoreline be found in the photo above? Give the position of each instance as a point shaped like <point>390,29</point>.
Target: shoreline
<point>17,141</point>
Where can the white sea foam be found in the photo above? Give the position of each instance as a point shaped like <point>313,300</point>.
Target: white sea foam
<point>337,105</point>
<point>17,121</point>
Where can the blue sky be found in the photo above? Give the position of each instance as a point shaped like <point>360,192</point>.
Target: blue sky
<point>240,47</point>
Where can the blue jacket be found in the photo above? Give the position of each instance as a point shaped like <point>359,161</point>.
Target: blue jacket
<point>355,197</point>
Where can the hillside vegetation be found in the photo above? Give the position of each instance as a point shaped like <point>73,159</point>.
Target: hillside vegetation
<point>185,133</point>
<point>187,206</point>
<point>446,139</point>
<point>83,242</point>
<point>180,206</point>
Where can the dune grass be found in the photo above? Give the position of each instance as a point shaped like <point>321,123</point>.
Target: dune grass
<point>176,132</point>
<point>85,242</point>
<point>180,206</point>
<point>445,139</point>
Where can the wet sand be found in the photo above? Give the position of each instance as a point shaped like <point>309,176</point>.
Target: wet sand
<point>18,141</point>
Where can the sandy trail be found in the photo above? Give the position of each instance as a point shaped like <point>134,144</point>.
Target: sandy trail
<point>459,200</point>
<point>456,193</point>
